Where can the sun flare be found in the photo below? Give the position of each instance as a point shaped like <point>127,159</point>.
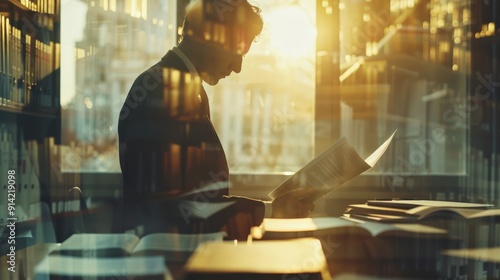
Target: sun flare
<point>291,31</point>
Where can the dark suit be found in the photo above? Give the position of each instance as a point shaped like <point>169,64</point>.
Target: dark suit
<point>168,147</point>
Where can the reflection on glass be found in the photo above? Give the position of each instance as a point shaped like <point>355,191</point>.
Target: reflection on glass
<point>265,114</point>
<point>404,66</point>
<point>268,119</point>
<point>106,44</point>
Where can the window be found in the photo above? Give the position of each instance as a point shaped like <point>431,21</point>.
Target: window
<point>402,65</point>
<point>106,44</point>
<point>264,115</point>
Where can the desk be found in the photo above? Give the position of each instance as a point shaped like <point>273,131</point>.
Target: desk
<point>351,259</point>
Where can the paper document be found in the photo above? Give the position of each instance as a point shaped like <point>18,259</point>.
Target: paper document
<point>328,171</point>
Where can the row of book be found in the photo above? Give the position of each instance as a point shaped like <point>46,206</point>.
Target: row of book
<point>38,168</point>
<point>134,8</point>
<point>22,160</point>
<point>445,14</point>
<point>28,61</point>
<point>484,175</point>
<point>40,6</point>
<point>442,39</point>
<point>441,36</point>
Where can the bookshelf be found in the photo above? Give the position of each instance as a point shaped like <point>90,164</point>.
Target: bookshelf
<point>429,69</point>
<point>484,84</point>
<point>29,104</point>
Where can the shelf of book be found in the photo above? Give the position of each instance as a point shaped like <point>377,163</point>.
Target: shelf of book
<point>30,112</point>
<point>484,113</point>
<point>39,6</point>
<point>439,60</point>
<point>51,113</point>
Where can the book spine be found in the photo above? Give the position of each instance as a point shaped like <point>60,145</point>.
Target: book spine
<point>4,162</point>
<point>3,59</point>
<point>8,61</point>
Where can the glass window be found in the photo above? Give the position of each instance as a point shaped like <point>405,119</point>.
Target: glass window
<point>404,66</point>
<point>105,45</point>
<point>264,115</point>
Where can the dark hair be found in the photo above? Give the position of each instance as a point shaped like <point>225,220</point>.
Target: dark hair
<point>237,21</point>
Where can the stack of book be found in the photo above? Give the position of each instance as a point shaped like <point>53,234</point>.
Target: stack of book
<point>404,211</point>
<point>364,247</point>
<point>469,226</point>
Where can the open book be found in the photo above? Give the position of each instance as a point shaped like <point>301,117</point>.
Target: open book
<point>319,226</point>
<point>415,211</point>
<point>173,246</point>
<point>70,267</point>
<point>328,171</point>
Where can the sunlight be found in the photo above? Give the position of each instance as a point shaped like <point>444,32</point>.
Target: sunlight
<point>291,31</point>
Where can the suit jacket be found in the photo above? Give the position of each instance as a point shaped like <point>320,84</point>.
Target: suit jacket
<point>170,151</point>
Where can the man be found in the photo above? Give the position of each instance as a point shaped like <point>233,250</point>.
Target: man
<point>172,161</point>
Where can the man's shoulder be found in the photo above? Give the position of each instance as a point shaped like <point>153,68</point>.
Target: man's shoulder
<point>155,73</point>
<point>173,61</point>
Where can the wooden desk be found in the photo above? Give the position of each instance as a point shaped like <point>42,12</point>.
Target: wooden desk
<point>351,259</point>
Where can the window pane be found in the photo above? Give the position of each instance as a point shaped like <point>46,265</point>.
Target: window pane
<point>105,46</point>
<point>404,66</point>
<point>265,114</point>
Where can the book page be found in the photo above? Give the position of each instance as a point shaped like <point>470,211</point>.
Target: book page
<point>416,230</point>
<point>303,224</point>
<point>99,241</point>
<point>483,254</point>
<point>176,241</point>
<point>410,203</point>
<point>118,268</point>
<point>375,156</point>
<point>328,171</point>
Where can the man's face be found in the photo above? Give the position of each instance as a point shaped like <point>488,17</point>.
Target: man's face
<point>218,64</point>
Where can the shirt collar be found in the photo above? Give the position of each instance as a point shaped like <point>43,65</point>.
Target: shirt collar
<point>186,61</point>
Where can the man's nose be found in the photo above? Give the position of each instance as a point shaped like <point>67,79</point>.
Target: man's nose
<point>235,66</point>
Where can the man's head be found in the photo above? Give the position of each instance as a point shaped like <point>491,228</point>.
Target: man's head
<point>219,33</point>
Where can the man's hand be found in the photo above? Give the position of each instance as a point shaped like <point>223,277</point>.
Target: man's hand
<point>291,205</point>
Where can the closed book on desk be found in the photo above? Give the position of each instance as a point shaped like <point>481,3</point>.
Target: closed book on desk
<point>84,268</point>
<point>281,259</point>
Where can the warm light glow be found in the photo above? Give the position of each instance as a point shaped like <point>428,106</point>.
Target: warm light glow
<point>291,31</point>
<point>88,103</point>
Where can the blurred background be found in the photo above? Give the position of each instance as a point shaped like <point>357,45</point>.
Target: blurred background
<point>320,70</point>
